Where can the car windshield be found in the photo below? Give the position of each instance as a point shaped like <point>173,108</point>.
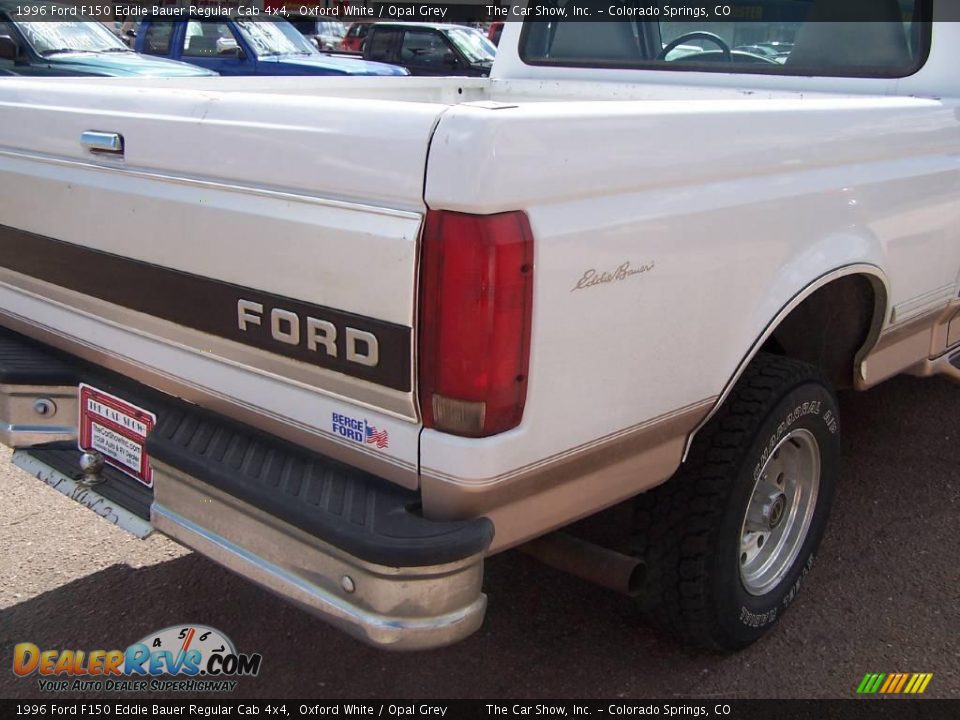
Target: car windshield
<point>48,38</point>
<point>474,46</point>
<point>275,38</point>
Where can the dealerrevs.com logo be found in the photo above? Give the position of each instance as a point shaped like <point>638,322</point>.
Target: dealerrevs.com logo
<point>181,658</point>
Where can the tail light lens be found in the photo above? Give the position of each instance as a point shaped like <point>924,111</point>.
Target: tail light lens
<point>476,297</point>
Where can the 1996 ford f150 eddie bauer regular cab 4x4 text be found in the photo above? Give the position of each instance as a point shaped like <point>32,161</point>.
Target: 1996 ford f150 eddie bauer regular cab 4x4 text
<point>348,337</point>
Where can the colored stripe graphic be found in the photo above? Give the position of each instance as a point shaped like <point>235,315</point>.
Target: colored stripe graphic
<point>894,683</point>
<point>870,683</point>
<point>918,683</point>
<point>903,681</point>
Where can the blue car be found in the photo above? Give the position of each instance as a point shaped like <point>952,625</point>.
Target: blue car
<point>42,48</point>
<point>247,47</point>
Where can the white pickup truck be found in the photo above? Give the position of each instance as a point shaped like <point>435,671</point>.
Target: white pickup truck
<point>349,337</point>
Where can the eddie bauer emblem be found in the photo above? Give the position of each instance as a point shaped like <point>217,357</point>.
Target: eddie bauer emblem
<point>593,277</point>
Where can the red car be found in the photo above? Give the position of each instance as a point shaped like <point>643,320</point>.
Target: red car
<point>495,31</point>
<point>356,34</point>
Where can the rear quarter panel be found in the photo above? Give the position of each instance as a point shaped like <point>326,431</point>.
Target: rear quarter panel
<point>730,208</point>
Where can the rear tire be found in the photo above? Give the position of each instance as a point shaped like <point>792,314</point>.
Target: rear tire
<point>729,539</point>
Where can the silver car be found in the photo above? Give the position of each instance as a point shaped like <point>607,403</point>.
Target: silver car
<point>326,34</point>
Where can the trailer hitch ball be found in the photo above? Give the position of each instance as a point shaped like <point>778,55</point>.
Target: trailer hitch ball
<point>91,464</point>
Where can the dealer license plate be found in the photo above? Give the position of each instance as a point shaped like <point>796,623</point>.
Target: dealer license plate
<point>117,430</point>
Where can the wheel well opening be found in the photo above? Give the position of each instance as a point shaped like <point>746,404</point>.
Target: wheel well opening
<point>833,328</point>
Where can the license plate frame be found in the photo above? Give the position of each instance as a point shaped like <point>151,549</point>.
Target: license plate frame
<point>117,429</point>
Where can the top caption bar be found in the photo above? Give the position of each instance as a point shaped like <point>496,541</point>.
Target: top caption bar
<point>766,11</point>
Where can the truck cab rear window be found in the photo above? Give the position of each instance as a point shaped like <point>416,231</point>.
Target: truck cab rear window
<point>853,38</point>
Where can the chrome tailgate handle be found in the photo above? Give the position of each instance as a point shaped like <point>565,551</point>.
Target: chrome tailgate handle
<point>102,142</point>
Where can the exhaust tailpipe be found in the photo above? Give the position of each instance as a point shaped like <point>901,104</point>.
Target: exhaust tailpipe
<point>596,564</point>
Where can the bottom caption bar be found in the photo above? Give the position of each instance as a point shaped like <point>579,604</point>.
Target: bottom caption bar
<point>747,709</point>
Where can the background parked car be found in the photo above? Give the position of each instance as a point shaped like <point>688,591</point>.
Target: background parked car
<point>430,48</point>
<point>248,47</point>
<point>355,37</point>
<point>495,31</point>
<point>325,34</point>
<point>75,47</point>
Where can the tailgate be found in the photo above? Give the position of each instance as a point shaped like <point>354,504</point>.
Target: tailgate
<point>253,254</point>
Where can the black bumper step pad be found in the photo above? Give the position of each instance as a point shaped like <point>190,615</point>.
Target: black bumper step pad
<point>364,515</point>
<point>23,362</point>
<point>119,487</point>
<point>353,510</point>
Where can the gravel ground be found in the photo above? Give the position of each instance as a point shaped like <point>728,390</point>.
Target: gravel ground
<point>884,596</point>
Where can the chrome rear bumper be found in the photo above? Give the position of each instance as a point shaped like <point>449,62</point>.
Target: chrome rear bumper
<point>396,608</point>
<point>38,394</point>
<point>71,486</point>
<point>344,544</point>
<point>36,414</point>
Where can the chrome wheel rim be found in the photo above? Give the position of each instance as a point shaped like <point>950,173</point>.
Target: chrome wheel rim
<point>780,511</point>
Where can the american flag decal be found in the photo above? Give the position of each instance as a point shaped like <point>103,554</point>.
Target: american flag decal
<point>380,438</point>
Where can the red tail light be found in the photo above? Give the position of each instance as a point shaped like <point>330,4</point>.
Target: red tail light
<point>476,297</point>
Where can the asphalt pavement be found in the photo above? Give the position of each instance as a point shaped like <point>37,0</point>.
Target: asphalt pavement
<point>884,595</point>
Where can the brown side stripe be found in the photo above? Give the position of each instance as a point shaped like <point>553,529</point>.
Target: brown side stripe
<point>201,303</point>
